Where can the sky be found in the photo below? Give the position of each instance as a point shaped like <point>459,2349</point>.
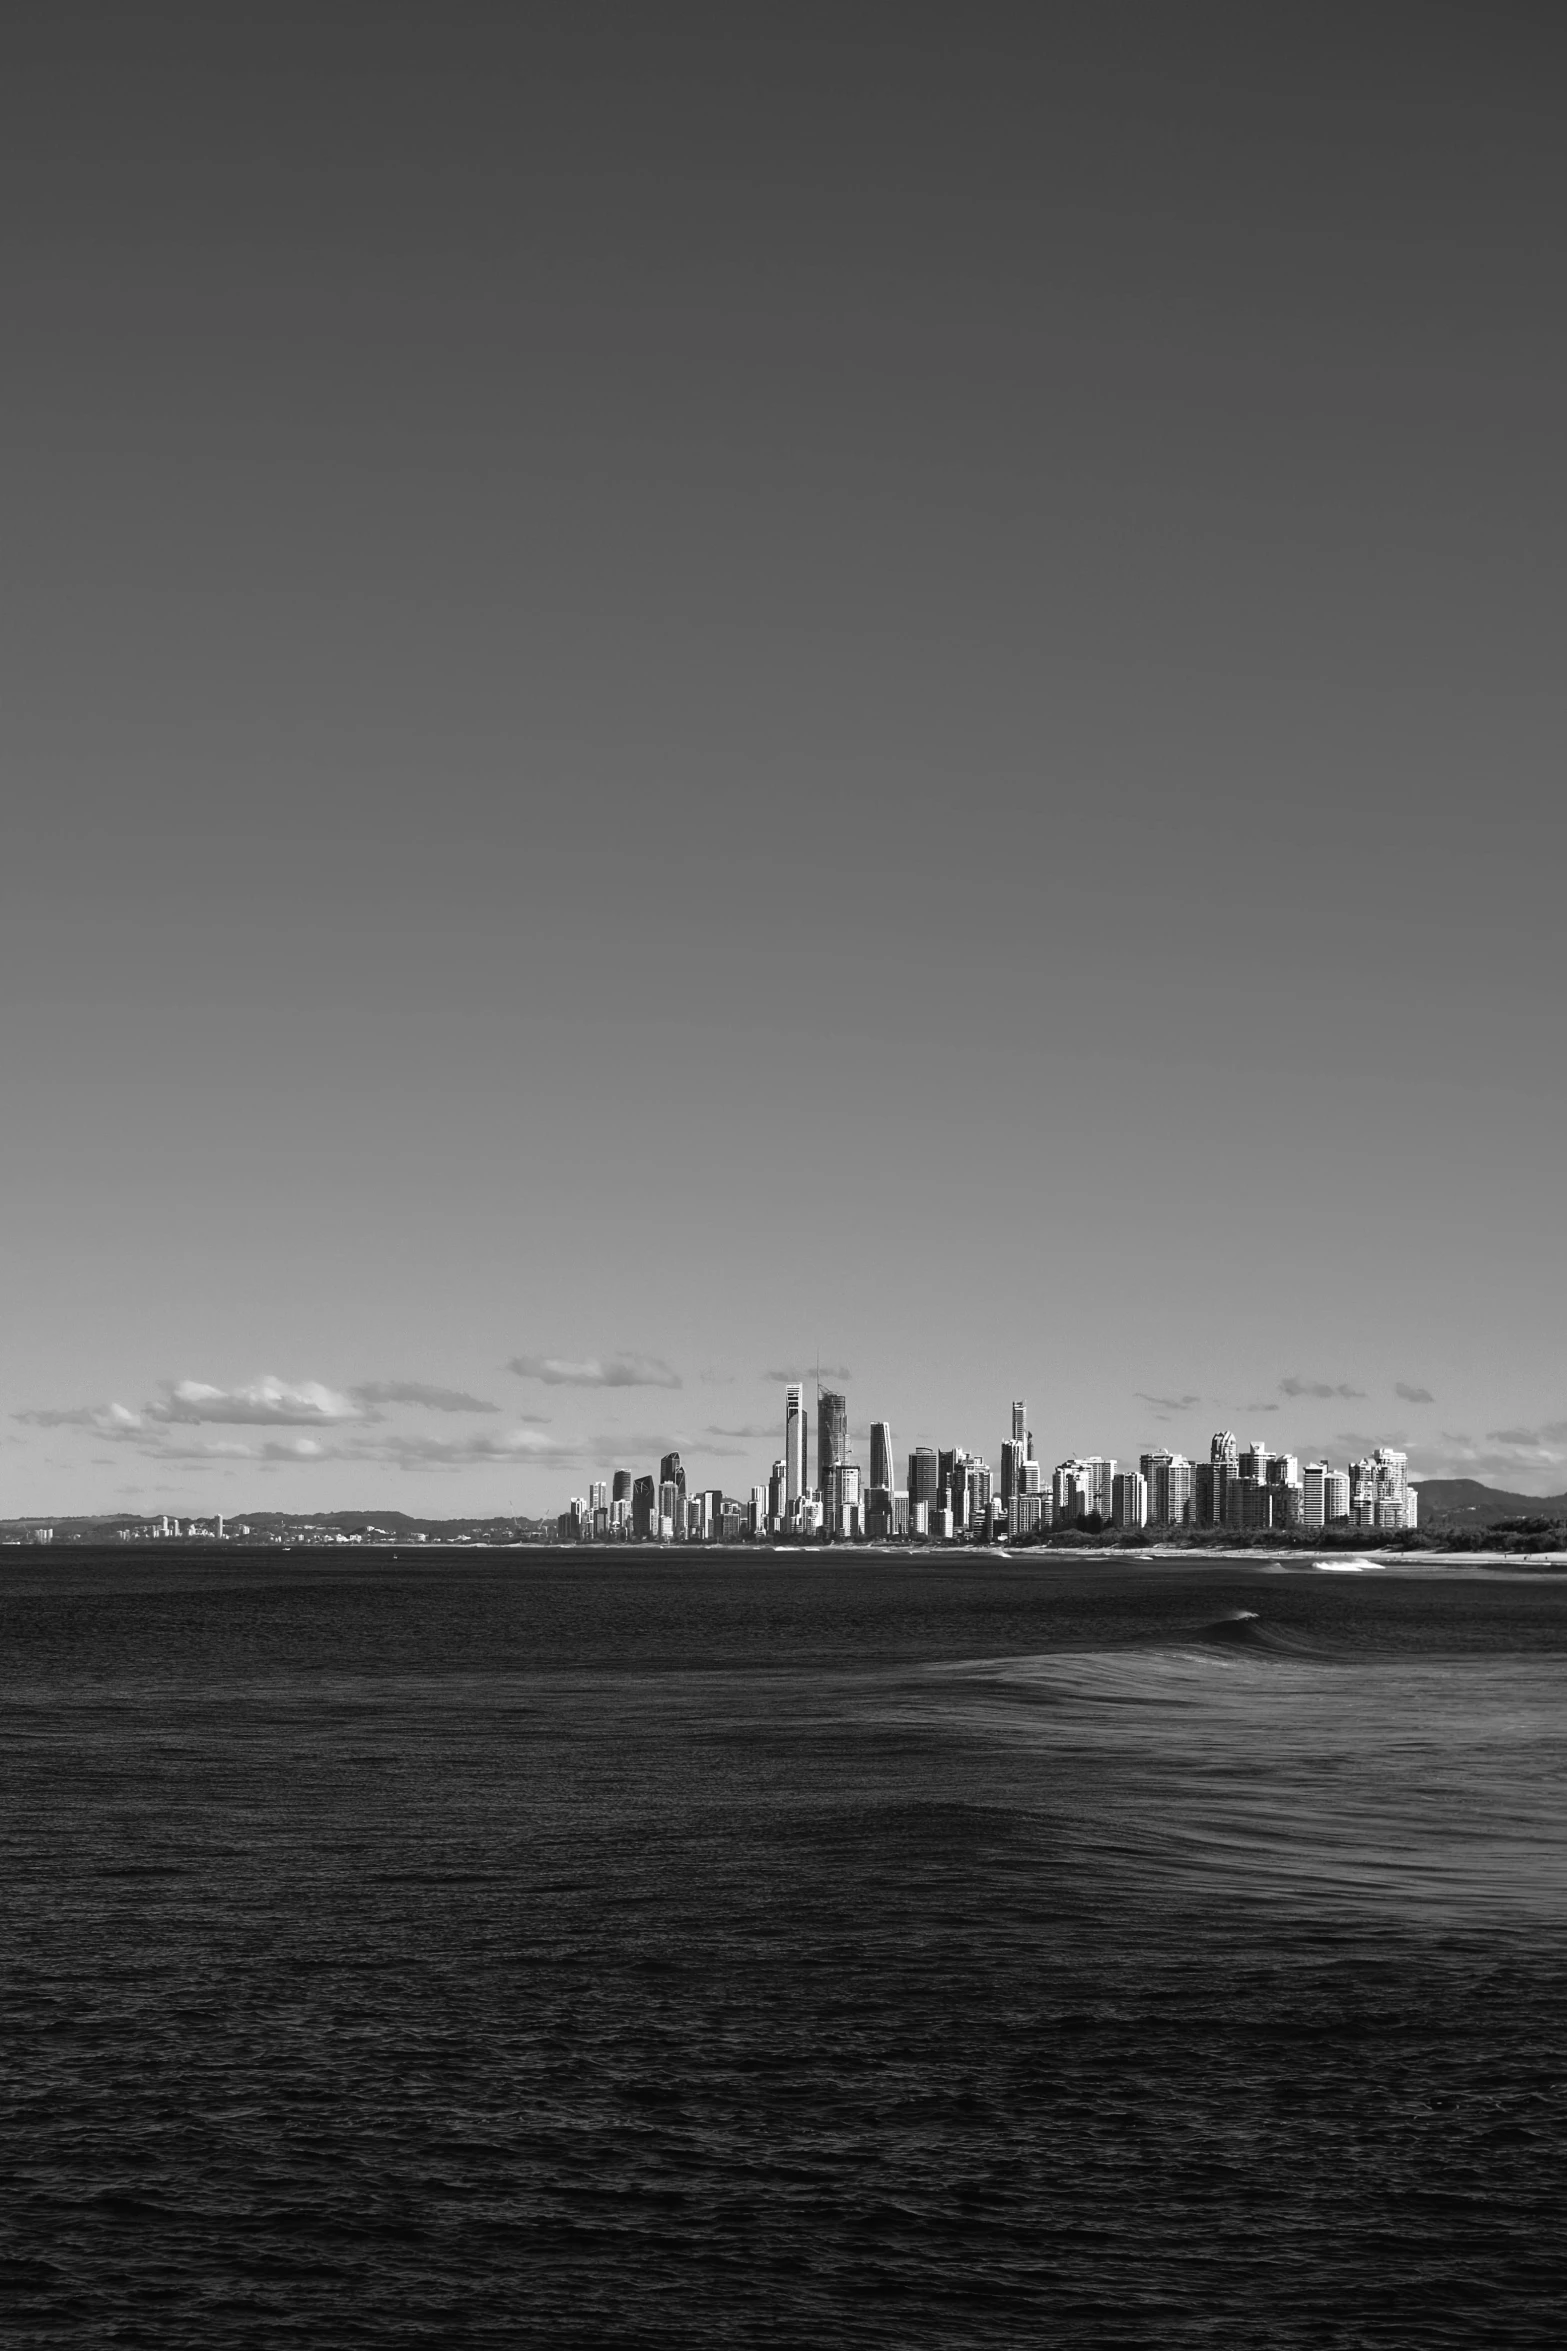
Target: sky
<point>683,692</point>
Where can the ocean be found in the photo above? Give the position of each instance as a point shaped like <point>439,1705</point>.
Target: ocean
<point>659,1948</point>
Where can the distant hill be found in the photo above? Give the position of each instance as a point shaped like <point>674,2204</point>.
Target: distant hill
<point>1466,1502</point>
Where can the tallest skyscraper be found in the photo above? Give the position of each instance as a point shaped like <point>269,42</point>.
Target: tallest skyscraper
<point>794,1446</point>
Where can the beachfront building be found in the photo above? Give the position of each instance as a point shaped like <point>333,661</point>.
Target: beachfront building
<point>1169,1477</point>
<point>1129,1499</point>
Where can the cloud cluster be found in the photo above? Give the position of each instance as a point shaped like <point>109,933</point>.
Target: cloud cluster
<point>266,1403</point>
<point>808,1371</point>
<point>1413,1394</point>
<point>1296,1386</point>
<point>594,1371</point>
<point>405,1451</point>
<point>296,1423</point>
<point>1167,1403</point>
<point>371,1393</point>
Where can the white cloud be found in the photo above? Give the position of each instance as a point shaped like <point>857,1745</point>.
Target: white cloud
<point>105,1420</point>
<point>510,1445</point>
<point>266,1403</point>
<point>593,1371</point>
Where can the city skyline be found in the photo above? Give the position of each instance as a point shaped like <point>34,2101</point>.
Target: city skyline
<point>230,1444</point>
<point>952,1492</point>
<point>651,687</point>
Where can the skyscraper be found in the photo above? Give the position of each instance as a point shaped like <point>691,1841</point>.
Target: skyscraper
<point>1011,1468</point>
<point>1019,1422</point>
<point>670,1472</point>
<point>924,1481</point>
<point>832,1434</point>
<point>1069,1490</point>
<point>1098,1473</point>
<point>644,1508</point>
<point>1129,1499</point>
<point>794,1445</point>
<point>1169,1477</point>
<point>952,1483</point>
<point>881,1455</point>
<point>1379,1490</point>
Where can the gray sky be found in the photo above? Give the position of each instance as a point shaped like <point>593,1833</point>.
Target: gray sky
<point>670,698</point>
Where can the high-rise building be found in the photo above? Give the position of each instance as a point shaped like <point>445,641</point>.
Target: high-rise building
<point>1025,1514</point>
<point>757,1521</point>
<point>1312,1486</point>
<point>924,1475</point>
<point>1283,1469</point>
<point>1253,1463</point>
<point>840,1495</point>
<point>1098,1485</point>
<point>1019,1421</point>
<point>832,1459</point>
<point>1069,1491</point>
<point>621,1486</point>
<point>670,1472</point>
<point>1211,1481</point>
<point>1011,1468</point>
<point>952,1485</point>
<point>644,1508</point>
<point>1379,1491</point>
<point>669,1497</point>
<point>777,1495</point>
<point>794,1444</point>
<point>832,1434</point>
<point>881,1454</point>
<point>1129,1499</point>
<point>1169,1477</point>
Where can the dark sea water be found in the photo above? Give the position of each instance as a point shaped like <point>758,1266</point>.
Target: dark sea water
<point>517,1948</point>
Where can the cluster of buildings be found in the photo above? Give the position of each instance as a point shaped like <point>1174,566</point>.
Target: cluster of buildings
<point>165,1528</point>
<point>955,1496</point>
